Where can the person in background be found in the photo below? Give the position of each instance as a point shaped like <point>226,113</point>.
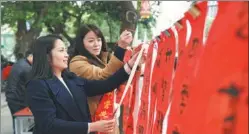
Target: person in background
<point>57,97</point>
<point>15,89</point>
<point>90,57</point>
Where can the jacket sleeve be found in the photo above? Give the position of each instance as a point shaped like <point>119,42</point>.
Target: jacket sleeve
<point>81,67</point>
<point>24,77</point>
<point>44,112</point>
<point>92,86</point>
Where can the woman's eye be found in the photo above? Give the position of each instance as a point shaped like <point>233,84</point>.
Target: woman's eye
<point>91,41</point>
<point>62,50</point>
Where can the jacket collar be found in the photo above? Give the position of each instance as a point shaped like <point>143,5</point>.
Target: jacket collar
<point>64,98</point>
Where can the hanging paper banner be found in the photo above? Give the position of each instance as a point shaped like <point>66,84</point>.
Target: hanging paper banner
<point>142,120</point>
<point>166,68</point>
<point>182,33</point>
<point>223,75</point>
<point>156,82</point>
<point>185,71</point>
<point>129,100</point>
<point>130,121</point>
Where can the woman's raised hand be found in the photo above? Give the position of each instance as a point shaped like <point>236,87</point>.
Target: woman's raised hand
<point>125,39</point>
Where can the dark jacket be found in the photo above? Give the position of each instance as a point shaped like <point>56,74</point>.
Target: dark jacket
<point>54,109</point>
<point>15,89</point>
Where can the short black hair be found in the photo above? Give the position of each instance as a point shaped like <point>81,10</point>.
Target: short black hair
<point>19,56</point>
<point>28,52</point>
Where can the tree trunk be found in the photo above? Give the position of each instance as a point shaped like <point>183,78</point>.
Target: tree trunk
<point>24,41</point>
<point>24,38</point>
<point>20,47</point>
<point>131,23</point>
<point>110,28</point>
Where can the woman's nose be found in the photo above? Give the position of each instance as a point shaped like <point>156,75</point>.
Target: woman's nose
<point>66,55</point>
<point>96,43</point>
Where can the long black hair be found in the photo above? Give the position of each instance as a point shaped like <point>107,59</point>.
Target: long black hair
<point>41,67</point>
<point>79,48</point>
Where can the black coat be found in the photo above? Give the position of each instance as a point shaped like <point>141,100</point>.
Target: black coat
<point>56,112</point>
<point>15,89</point>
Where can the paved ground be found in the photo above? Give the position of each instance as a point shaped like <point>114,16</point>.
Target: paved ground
<point>6,119</point>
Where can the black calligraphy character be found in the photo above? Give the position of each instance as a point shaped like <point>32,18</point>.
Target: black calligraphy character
<point>154,87</point>
<point>232,91</point>
<point>184,91</point>
<point>140,129</point>
<point>184,94</point>
<point>143,110</point>
<point>176,131</point>
<point>229,120</point>
<point>164,88</point>
<point>164,84</point>
<point>158,62</point>
<point>242,32</point>
<point>160,121</point>
<point>168,54</point>
<point>195,43</point>
<point>130,126</point>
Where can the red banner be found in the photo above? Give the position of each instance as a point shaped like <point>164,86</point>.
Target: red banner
<point>210,88</point>
<point>142,120</point>
<point>186,71</point>
<point>129,100</point>
<point>129,129</point>
<point>223,75</point>
<point>130,121</point>
<point>105,108</point>
<point>166,70</point>
<point>156,82</point>
<point>182,33</point>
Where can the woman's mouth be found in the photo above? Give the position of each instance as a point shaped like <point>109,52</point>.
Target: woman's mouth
<point>97,49</point>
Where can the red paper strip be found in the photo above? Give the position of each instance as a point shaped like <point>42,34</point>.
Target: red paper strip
<point>186,71</point>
